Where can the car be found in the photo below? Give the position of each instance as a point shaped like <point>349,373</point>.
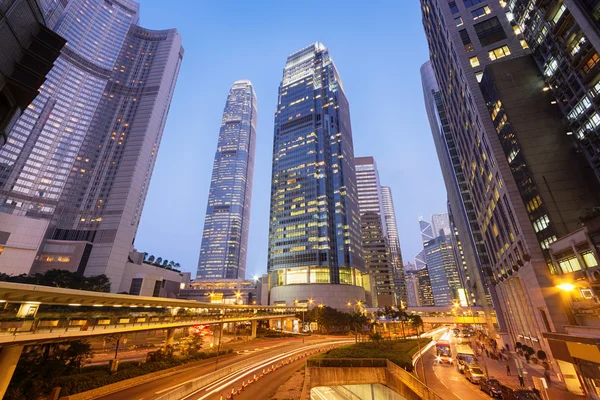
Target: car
<point>491,387</point>
<point>510,393</point>
<point>474,374</point>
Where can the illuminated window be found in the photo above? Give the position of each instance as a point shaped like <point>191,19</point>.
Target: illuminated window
<point>569,265</point>
<point>474,61</point>
<point>561,10</point>
<point>458,21</point>
<point>588,258</point>
<point>524,44</point>
<point>499,52</point>
<point>481,12</point>
<point>541,223</point>
<point>64,259</point>
<point>48,258</point>
<point>479,76</point>
<point>591,63</point>
<point>1,249</point>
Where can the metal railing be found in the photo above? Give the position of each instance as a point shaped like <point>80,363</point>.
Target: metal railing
<point>104,325</point>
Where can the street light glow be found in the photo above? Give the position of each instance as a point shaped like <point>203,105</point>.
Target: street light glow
<point>566,286</point>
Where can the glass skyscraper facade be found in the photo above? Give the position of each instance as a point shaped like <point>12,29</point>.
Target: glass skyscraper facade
<point>82,154</point>
<point>389,216</point>
<point>225,236</point>
<point>443,272</point>
<point>314,236</point>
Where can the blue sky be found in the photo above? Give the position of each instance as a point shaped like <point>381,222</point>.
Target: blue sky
<point>378,48</point>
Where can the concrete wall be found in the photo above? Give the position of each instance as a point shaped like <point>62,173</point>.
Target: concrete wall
<point>150,275</point>
<point>52,251</point>
<point>20,239</point>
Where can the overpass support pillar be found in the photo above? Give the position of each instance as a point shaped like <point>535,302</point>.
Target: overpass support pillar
<point>253,325</point>
<point>9,357</point>
<point>282,324</point>
<point>170,337</point>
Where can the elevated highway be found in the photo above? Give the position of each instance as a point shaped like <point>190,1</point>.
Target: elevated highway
<point>35,314</point>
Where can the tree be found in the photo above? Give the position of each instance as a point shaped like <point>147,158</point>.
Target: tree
<point>151,259</point>
<point>165,263</point>
<point>357,322</point>
<point>177,266</point>
<point>159,261</point>
<point>145,256</point>
<point>415,322</point>
<point>171,265</point>
<point>116,339</point>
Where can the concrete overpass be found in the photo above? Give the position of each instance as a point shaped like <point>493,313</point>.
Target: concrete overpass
<point>90,314</point>
<point>452,315</point>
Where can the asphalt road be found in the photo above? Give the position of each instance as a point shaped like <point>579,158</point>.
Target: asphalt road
<point>446,381</point>
<point>151,389</point>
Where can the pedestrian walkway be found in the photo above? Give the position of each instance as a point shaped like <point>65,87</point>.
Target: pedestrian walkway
<point>497,369</point>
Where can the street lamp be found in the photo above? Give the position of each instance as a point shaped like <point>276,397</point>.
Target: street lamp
<point>566,287</point>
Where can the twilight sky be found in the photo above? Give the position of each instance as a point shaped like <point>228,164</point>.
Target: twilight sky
<point>378,47</point>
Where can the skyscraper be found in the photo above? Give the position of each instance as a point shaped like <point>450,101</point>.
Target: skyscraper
<point>29,49</point>
<point>425,292</point>
<point>443,272</point>
<point>84,151</point>
<point>225,235</point>
<point>508,159</point>
<point>440,225</point>
<point>569,63</point>
<point>374,242</point>
<point>393,237</point>
<point>467,239</point>
<point>426,230</point>
<point>314,237</point>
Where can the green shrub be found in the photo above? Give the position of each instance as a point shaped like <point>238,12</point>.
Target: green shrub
<point>399,352</point>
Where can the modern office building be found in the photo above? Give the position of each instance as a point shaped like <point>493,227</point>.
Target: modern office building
<point>467,239</point>
<point>314,237</point>
<point>426,230</point>
<point>380,291</point>
<point>29,49</point>
<point>412,289</point>
<point>225,235</point>
<point>222,291</point>
<point>420,260</point>
<point>82,154</point>
<point>564,37</point>
<point>424,289</point>
<point>518,193</point>
<point>440,225</point>
<point>389,215</point>
<point>444,278</point>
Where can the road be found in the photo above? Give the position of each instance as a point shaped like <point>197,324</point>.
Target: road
<point>287,363</point>
<point>445,380</point>
<point>157,387</point>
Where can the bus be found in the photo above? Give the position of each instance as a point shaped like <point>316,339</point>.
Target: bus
<point>464,357</point>
<point>443,352</point>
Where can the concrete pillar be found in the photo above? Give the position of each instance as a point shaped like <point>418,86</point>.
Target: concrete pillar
<point>170,337</point>
<point>253,325</point>
<point>9,357</point>
<point>282,324</point>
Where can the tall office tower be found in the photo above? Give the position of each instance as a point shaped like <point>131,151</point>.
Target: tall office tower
<point>443,272</point>
<point>440,224</point>
<point>412,289</point>
<point>381,290</point>
<point>426,230</point>
<point>84,151</point>
<point>225,235</point>
<point>389,215</point>
<point>314,237</point>
<point>564,37</point>
<point>424,288</point>
<point>467,238</point>
<point>420,260</point>
<point>29,49</point>
<point>512,197</point>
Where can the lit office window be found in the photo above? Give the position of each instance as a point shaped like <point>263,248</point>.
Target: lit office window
<point>474,61</point>
<point>499,52</point>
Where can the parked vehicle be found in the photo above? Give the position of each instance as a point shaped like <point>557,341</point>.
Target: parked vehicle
<point>491,387</point>
<point>474,374</point>
<point>510,393</point>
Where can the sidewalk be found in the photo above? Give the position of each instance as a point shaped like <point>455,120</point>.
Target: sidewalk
<point>497,369</point>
